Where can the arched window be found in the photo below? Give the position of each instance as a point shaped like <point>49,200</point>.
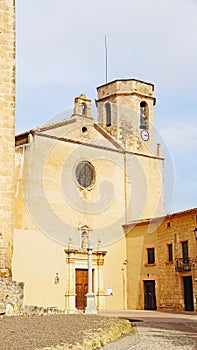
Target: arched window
<point>83,109</point>
<point>108,113</point>
<point>143,115</point>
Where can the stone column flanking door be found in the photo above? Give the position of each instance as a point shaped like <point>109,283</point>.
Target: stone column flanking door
<point>100,296</point>
<point>70,280</point>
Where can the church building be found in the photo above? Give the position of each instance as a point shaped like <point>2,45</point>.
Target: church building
<point>82,205</point>
<point>78,181</point>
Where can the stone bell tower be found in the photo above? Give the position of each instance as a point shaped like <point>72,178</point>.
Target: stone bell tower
<point>7,134</point>
<point>126,111</point>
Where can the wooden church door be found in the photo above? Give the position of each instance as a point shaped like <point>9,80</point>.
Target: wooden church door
<point>82,287</point>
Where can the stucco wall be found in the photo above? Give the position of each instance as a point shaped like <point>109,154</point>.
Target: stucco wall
<point>50,209</point>
<point>139,239</point>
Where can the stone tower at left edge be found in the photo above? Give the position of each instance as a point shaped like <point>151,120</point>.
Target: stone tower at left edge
<point>7,133</point>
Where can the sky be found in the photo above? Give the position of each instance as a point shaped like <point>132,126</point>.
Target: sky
<point>61,54</point>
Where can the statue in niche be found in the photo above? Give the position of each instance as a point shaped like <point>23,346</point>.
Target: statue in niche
<point>84,239</point>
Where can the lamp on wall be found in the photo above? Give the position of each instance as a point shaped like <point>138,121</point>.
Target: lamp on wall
<point>56,279</point>
<point>195,232</point>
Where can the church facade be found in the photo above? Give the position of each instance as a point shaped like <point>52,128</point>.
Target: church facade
<point>78,182</point>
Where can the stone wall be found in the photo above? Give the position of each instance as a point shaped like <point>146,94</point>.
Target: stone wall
<point>175,229</point>
<point>7,139</point>
<point>11,296</point>
<point>11,301</point>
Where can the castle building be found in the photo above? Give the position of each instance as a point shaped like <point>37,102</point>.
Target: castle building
<point>78,182</point>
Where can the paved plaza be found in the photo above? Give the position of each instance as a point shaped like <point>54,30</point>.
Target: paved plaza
<point>157,330</point>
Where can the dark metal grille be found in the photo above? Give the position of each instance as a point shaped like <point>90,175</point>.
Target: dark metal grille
<point>182,266</point>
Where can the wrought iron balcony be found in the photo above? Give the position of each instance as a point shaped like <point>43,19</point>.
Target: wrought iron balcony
<point>183,265</point>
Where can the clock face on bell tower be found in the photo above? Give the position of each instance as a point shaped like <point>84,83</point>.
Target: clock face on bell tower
<point>145,135</point>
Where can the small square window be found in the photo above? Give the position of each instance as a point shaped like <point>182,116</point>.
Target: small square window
<point>168,224</point>
<point>151,255</point>
<point>170,256</point>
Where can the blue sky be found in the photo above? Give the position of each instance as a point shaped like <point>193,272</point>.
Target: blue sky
<point>60,54</point>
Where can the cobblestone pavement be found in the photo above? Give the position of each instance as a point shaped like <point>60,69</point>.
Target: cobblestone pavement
<point>149,336</point>
<point>159,333</point>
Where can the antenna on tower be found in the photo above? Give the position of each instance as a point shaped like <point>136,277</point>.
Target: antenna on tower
<point>106,58</point>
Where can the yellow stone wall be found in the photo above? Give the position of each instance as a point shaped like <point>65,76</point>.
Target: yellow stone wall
<point>139,239</point>
<point>7,134</point>
<point>172,229</point>
<point>144,187</point>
